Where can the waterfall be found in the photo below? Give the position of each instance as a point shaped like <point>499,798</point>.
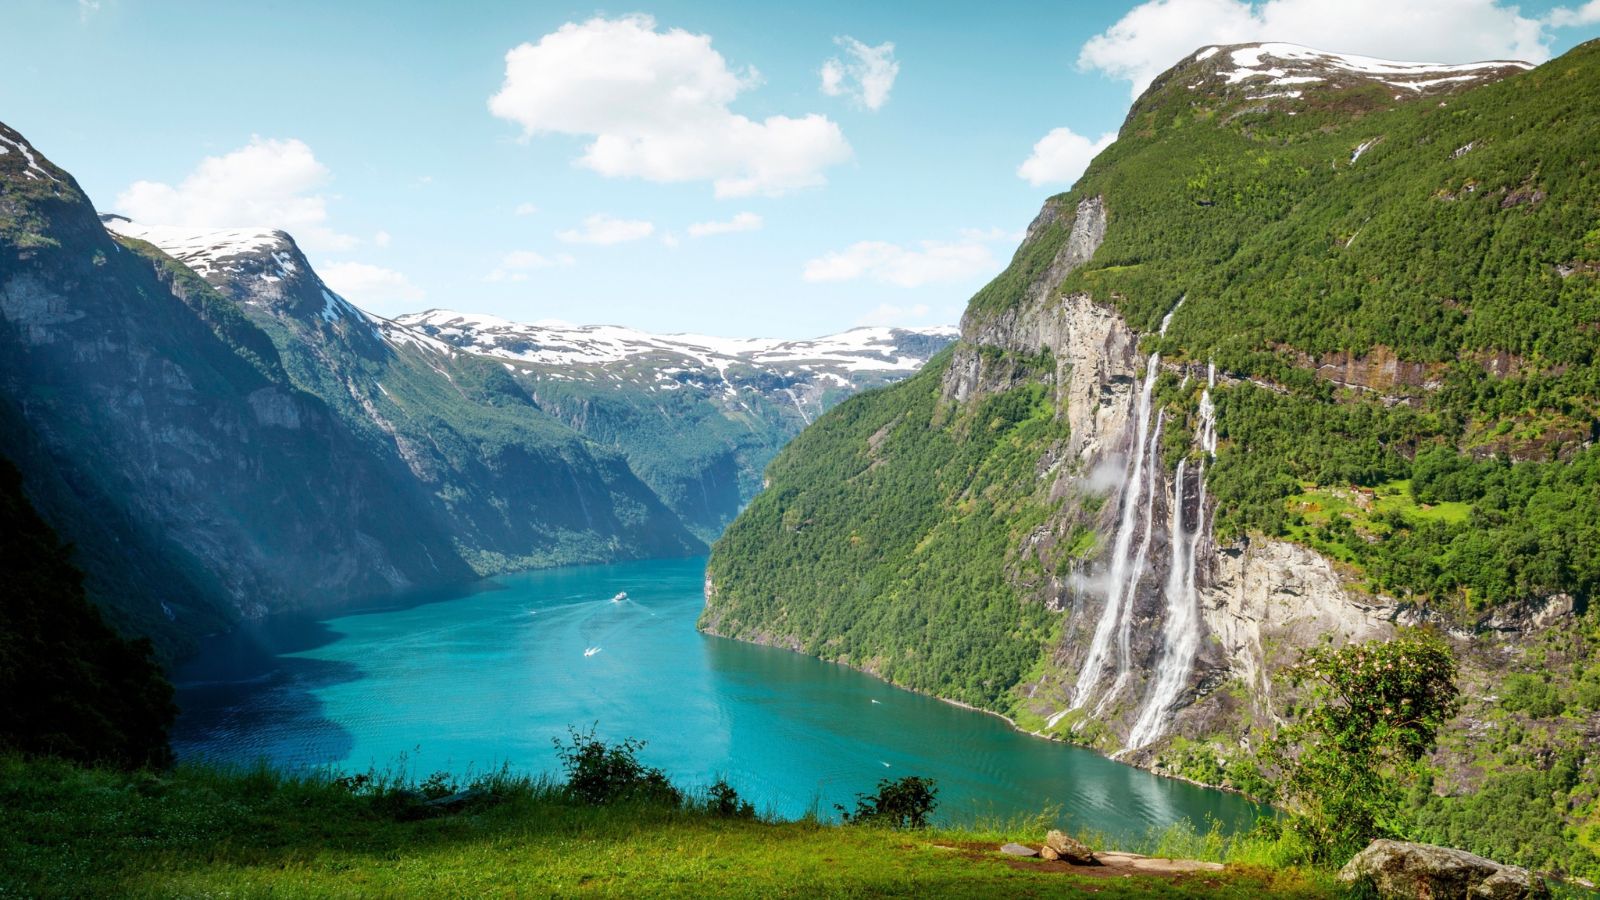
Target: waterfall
<point>1143,478</point>
<point>1182,627</point>
<point>1118,590</point>
<point>1152,468</point>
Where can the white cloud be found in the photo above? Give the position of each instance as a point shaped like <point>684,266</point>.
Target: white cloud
<point>744,221</point>
<point>526,209</point>
<point>889,314</point>
<point>866,75</point>
<point>368,285</point>
<point>382,239</point>
<point>603,229</point>
<point>1562,17</point>
<point>1061,156</point>
<point>655,104</point>
<point>266,183</point>
<point>670,241</point>
<point>1155,35</point>
<point>927,262</point>
<point>514,266</point>
<point>87,8</point>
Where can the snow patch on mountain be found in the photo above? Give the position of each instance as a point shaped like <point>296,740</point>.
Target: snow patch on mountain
<point>32,169</point>
<point>872,349</point>
<point>1280,65</point>
<point>207,250</point>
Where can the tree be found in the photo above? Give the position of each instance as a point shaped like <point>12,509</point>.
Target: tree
<point>1369,714</point>
<point>70,686</point>
<point>902,803</point>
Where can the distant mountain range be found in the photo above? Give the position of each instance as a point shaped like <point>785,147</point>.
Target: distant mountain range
<point>220,434</point>
<point>697,417</point>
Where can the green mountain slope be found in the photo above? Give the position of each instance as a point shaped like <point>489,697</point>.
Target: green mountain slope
<point>70,687</point>
<point>1395,273</point>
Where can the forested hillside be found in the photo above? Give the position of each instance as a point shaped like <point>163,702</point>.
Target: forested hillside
<point>1309,351</point>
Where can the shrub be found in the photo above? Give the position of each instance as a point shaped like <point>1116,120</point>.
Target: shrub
<point>600,773</point>
<point>724,801</point>
<point>899,803</point>
<point>1371,712</point>
<point>1532,695</point>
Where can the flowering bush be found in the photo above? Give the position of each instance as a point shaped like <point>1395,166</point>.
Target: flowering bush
<point>1370,712</point>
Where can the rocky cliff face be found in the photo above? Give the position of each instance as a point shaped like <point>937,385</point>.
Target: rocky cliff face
<point>159,432</point>
<point>511,486</point>
<point>1256,603</point>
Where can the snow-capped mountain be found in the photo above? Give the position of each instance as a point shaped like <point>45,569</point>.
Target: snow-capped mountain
<point>696,417</point>
<point>1264,71</point>
<point>859,349</point>
<point>673,360</point>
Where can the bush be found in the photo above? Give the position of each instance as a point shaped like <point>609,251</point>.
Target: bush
<point>902,803</point>
<point>599,773</point>
<point>1372,712</point>
<point>723,800</point>
<point>1532,695</point>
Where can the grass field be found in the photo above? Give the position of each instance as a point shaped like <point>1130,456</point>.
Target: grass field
<point>193,832</point>
<point>1365,509</point>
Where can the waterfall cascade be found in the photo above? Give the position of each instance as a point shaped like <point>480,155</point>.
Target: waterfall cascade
<point>1182,627</point>
<point>1186,544</point>
<point>1119,585</point>
<point>1127,566</point>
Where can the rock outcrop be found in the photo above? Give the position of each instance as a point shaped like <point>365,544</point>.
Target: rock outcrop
<point>1058,845</point>
<point>1401,870</point>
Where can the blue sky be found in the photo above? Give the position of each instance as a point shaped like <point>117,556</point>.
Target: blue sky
<point>886,192</point>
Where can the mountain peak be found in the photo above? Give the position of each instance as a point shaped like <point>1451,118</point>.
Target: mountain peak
<point>867,348</point>
<point>215,250</point>
<point>1272,69</point>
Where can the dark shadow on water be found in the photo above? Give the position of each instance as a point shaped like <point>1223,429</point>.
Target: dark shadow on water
<point>248,695</point>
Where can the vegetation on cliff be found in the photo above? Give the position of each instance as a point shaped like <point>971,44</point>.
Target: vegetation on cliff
<point>70,686</point>
<point>888,536</point>
<point>1399,298</point>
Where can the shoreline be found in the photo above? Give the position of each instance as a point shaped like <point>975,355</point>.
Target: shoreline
<point>990,712</point>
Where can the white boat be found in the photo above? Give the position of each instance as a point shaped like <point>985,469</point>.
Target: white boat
<point>621,596</point>
<point>591,651</point>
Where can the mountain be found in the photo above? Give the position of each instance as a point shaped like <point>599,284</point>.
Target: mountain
<point>418,386</point>
<point>159,432</point>
<point>220,435</point>
<point>512,486</point>
<point>1308,353</point>
<point>697,417</point>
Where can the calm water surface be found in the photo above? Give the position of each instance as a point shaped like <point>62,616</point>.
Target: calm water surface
<point>469,682</point>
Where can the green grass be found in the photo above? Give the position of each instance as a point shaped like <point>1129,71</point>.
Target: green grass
<point>1366,509</point>
<point>196,831</point>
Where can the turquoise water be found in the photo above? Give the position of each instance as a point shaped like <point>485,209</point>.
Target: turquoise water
<point>468,682</point>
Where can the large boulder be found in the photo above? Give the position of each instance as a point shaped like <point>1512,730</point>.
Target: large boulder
<point>1402,869</point>
<point>1067,848</point>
